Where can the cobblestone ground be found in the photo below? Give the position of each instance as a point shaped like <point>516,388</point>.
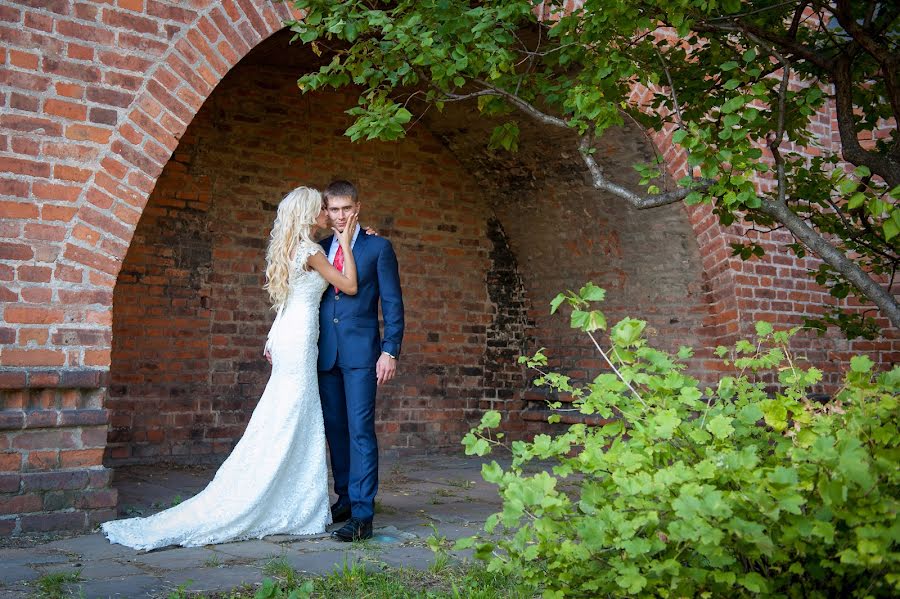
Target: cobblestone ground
<point>416,496</point>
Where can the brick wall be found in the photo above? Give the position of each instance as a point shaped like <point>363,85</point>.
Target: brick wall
<point>189,313</point>
<point>94,100</point>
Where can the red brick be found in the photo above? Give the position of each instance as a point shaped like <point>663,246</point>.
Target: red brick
<point>33,315</point>
<point>45,439</point>
<point>70,90</point>
<point>10,462</point>
<point>54,521</point>
<point>24,80</point>
<point>57,213</point>
<point>32,357</point>
<point>109,97</point>
<point>17,122</point>
<point>130,22</point>
<point>24,167</point>
<point>135,5</point>
<point>91,33</point>
<point>34,274</point>
<point>38,336</point>
<point>81,457</point>
<point>21,504</point>
<point>68,110</point>
<point>92,259</point>
<point>71,173</point>
<point>44,232</point>
<point>23,60</point>
<point>79,52</point>
<point>18,210</point>
<point>15,251</point>
<point>56,192</point>
<point>42,460</point>
<point>24,102</point>
<point>14,188</point>
<point>88,133</point>
<point>71,70</point>
<point>38,21</point>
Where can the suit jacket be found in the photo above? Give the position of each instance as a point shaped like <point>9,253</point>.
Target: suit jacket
<point>349,334</point>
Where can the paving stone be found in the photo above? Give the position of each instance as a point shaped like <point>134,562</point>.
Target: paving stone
<point>178,558</point>
<point>21,557</point>
<point>251,549</point>
<point>294,538</point>
<point>108,569</point>
<point>132,587</point>
<point>11,573</point>
<point>19,590</point>
<point>94,546</point>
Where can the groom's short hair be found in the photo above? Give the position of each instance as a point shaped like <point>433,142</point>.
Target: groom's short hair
<point>340,189</point>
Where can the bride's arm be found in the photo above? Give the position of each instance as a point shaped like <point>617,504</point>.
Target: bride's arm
<point>345,281</point>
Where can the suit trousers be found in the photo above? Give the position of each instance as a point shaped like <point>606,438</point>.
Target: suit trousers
<point>348,405</point>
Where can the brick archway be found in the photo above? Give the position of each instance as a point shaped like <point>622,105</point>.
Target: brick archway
<point>88,131</point>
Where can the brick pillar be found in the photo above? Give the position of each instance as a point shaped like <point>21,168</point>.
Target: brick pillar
<point>52,437</point>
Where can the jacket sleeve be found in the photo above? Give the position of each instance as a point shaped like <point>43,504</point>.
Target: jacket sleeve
<point>391,300</point>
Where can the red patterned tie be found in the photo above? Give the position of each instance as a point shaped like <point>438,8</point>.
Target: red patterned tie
<point>339,263</point>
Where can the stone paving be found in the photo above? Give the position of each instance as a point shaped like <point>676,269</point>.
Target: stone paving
<point>416,496</point>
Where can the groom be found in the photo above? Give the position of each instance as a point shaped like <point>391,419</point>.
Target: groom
<point>354,360</point>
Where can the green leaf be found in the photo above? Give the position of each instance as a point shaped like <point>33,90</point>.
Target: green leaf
<point>592,293</point>
<point>890,228</point>
<point>861,364</point>
<point>556,302</point>
<point>490,419</point>
<point>720,426</point>
<point>665,422</point>
<point>856,200</point>
<point>763,328</point>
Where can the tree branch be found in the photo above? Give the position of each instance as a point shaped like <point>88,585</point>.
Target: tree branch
<point>851,150</point>
<point>600,182</point>
<point>525,106</point>
<point>880,296</point>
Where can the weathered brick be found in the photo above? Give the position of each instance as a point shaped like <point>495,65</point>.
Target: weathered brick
<point>10,461</point>
<point>20,504</point>
<point>45,439</point>
<point>75,520</point>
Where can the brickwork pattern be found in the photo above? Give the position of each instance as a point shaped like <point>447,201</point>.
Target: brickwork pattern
<point>95,97</point>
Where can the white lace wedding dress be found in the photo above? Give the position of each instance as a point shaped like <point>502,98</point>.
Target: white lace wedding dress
<point>276,479</point>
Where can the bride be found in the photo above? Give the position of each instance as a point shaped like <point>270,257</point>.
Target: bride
<point>276,479</point>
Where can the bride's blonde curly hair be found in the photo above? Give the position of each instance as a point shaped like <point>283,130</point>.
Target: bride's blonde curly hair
<point>294,223</point>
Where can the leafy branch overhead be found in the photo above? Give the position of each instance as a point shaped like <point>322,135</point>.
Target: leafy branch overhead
<point>739,85</point>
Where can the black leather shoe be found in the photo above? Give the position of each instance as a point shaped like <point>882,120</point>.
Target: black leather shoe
<point>340,513</point>
<point>354,530</point>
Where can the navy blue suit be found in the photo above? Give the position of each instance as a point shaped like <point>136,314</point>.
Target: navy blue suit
<point>349,346</point>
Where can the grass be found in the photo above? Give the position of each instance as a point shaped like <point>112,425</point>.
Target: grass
<point>52,586</point>
<point>354,580</point>
<point>212,562</point>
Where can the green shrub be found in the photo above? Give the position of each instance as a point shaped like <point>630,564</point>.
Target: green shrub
<point>746,489</point>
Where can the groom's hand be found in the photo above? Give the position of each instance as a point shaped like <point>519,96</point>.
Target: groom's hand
<point>268,356</point>
<point>385,368</point>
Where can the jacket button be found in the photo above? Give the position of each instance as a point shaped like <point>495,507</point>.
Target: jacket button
<point>335,321</point>
<point>337,297</point>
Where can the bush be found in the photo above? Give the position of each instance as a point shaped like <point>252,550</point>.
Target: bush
<point>746,489</point>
